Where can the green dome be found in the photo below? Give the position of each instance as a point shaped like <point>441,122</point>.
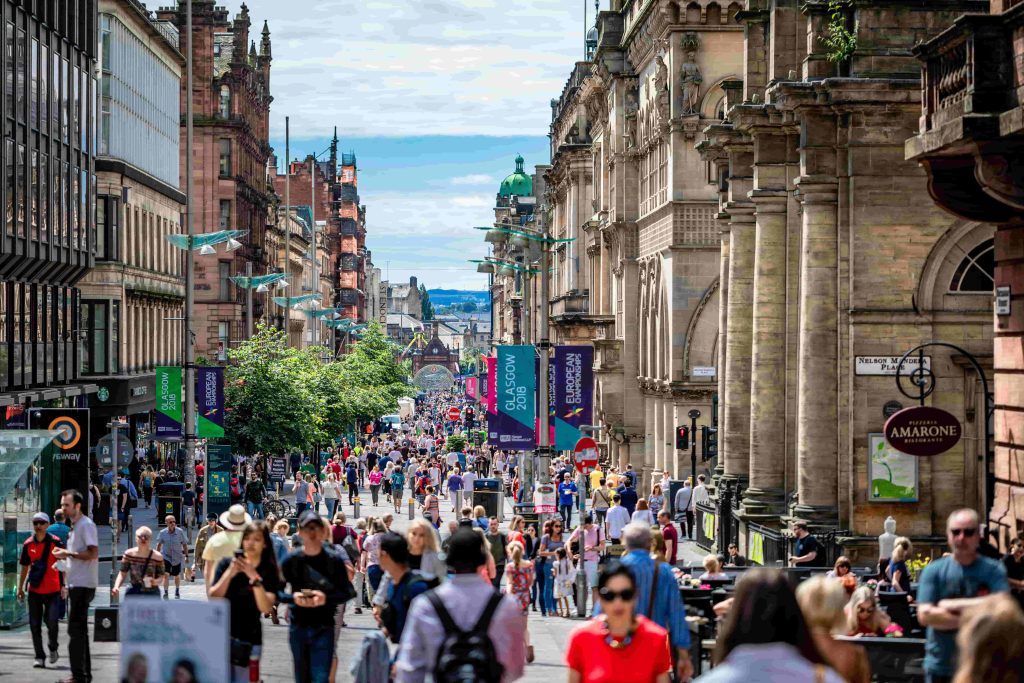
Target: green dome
<point>518,183</point>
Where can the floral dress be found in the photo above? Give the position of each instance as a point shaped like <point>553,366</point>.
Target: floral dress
<point>564,578</point>
<point>519,581</point>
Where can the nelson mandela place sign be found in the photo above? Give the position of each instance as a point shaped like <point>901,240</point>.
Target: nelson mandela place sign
<point>923,431</point>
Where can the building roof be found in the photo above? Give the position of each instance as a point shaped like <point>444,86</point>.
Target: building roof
<point>398,291</point>
<point>404,322</point>
<point>516,183</point>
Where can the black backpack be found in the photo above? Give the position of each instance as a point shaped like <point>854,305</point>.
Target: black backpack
<point>466,656</point>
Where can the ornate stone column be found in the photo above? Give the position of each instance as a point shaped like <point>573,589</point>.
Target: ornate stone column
<point>723,339</point>
<point>647,464</point>
<point>659,426</point>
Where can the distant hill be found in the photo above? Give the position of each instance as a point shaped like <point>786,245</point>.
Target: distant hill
<point>445,297</point>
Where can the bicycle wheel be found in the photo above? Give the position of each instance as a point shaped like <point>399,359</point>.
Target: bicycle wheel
<point>275,507</point>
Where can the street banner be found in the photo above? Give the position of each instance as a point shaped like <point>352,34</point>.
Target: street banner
<point>210,402</point>
<point>471,387</point>
<point>492,380</point>
<point>65,464</point>
<point>168,404</point>
<point>218,498</point>
<point>276,469</point>
<point>574,389</point>
<point>515,396</point>
<point>552,375</point>
<point>182,640</point>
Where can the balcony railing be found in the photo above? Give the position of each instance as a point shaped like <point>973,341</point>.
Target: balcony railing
<point>572,304</point>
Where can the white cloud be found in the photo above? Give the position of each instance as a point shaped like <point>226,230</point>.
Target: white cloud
<point>474,179</point>
<point>389,67</point>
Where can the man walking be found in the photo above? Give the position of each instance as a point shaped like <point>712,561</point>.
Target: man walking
<point>37,560</point>
<point>681,505</point>
<point>319,583</point>
<point>807,552</point>
<point>617,520</point>
<point>172,543</point>
<point>403,587</point>
<point>455,489</point>
<point>352,479</point>
<point>202,538</point>
<point>567,493</point>
<point>81,578</point>
<point>255,494</point>
<point>671,536</point>
<point>628,497</point>
<point>301,494</point>
<point>498,543</point>
<point>950,585</point>
<point>464,598</point>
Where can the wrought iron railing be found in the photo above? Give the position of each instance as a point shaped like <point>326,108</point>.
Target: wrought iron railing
<point>704,521</point>
<point>766,546</point>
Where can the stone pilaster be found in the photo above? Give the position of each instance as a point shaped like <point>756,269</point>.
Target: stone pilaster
<point>723,339</point>
<point>739,326</point>
<point>650,425</point>
<point>668,437</point>
<point>818,400</point>
<point>659,440</point>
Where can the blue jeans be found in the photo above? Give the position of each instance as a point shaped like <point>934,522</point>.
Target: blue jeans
<point>566,512</point>
<point>254,509</point>
<point>547,591</point>
<point>374,573</point>
<point>300,508</point>
<point>312,652</point>
<point>537,588</point>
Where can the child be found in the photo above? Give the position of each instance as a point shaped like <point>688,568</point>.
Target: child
<point>564,576</point>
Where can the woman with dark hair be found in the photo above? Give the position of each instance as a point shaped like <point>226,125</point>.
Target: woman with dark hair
<point>618,646</point>
<point>766,638</point>
<point>250,581</point>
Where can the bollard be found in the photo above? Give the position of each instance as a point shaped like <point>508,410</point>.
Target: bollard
<point>114,526</point>
<point>131,531</point>
<point>412,508</point>
<point>355,507</point>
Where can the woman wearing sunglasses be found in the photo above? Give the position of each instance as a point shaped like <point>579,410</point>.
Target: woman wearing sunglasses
<point>142,566</point>
<point>618,646</point>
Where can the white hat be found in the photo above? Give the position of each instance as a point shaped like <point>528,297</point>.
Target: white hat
<point>41,517</point>
<point>235,518</point>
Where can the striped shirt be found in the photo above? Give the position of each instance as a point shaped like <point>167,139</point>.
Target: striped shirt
<point>669,612</point>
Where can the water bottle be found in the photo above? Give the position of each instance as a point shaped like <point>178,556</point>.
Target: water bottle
<point>254,669</point>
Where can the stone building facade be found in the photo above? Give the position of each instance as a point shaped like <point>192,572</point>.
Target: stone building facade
<point>350,244</point>
<point>232,190</point>
<point>969,144</point>
<point>132,301</point>
<point>830,262</point>
<point>405,298</point>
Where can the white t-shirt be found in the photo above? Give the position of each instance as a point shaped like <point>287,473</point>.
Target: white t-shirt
<point>618,518</point>
<point>467,481</point>
<point>83,573</point>
<point>435,475</point>
<point>453,459</point>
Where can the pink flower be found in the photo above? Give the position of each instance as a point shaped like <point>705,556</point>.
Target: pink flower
<point>893,631</point>
<point>705,586</point>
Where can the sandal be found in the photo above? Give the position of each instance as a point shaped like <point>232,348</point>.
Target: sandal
<point>529,654</point>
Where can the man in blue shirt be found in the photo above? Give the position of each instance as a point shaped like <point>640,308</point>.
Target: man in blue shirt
<point>628,497</point>
<point>666,609</point>
<point>566,497</point>
<point>949,586</point>
<point>352,479</point>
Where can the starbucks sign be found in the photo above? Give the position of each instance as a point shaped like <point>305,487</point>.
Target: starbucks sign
<point>103,393</point>
<point>923,431</point>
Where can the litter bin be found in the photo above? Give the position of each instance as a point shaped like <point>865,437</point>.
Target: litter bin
<point>489,494</point>
<point>168,501</point>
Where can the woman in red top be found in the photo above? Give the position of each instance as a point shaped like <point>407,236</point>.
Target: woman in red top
<point>618,646</point>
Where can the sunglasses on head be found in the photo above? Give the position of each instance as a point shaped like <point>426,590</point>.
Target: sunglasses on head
<point>626,594</point>
<point>966,533</point>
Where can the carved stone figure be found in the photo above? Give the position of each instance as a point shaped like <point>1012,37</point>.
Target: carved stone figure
<point>690,79</point>
<point>631,122</point>
<point>660,75</point>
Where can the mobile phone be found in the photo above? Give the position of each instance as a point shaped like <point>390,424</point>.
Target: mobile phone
<point>239,553</point>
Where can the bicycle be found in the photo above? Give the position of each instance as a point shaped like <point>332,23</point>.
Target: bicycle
<point>279,507</point>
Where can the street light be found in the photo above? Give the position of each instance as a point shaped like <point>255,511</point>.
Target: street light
<point>259,283</point>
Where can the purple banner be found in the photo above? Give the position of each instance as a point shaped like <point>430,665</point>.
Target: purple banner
<point>574,393</point>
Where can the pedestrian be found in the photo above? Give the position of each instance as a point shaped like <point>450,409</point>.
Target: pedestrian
<point>424,552</point>
<point>432,506</point>
<point>44,585</point>
<point>520,577</point>
<point>359,577</point>
<point>658,594</point>
<point>224,544</point>
<point>671,536</point>
<point>123,501</point>
<point>301,490</point>
<point>498,543</point>
<point>250,581</point>
<point>950,585</point>
<point>188,506</point>
<point>81,579</point>
<point>619,646</point>
<point>616,519</point>
<point>313,496</point>
<point>375,478</point>
<point>402,586</point>
<point>563,576</point>
<point>591,537</point>
<point>765,637</point>
<point>567,493</point>
<point>59,528</point>
<point>397,483</point>
<point>318,582</point>
<point>642,514</point>
<point>897,571</point>
<point>700,492</point>
<point>822,602</point>
<point>466,604</point>
<point>600,500</point>
<point>352,479</point>
<point>202,538</point>
<point>550,542</point>
<point>255,495</point>
<point>681,506</point>
<point>655,501</point>
<point>1013,561</point>
<point>989,643</point>
<point>371,546</point>
<point>455,488</point>
<point>628,497</point>
<point>332,494</point>
<point>147,485</point>
<point>807,552</point>
<point>142,566</point>
<point>173,544</point>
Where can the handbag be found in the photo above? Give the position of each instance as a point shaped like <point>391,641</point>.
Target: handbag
<point>241,651</point>
<point>139,590</point>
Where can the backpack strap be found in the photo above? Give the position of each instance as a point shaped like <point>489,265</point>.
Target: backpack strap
<point>654,591</point>
<point>484,623</point>
<point>442,613</point>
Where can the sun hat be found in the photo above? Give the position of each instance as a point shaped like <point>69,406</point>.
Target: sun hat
<point>235,518</point>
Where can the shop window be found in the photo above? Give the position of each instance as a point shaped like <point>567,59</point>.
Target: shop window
<point>976,272</point>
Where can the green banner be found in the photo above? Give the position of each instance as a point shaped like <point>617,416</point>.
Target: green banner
<point>218,463</point>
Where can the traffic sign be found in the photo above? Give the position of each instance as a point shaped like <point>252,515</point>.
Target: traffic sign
<point>585,455</point>
<point>453,413</point>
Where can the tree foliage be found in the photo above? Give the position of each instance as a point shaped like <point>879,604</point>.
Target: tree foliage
<point>280,398</point>
<point>840,40</point>
<point>426,308</point>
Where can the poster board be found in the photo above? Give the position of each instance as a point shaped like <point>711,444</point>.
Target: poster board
<point>158,637</point>
<point>893,476</point>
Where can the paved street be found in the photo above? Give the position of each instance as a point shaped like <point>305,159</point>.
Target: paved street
<point>548,635</point>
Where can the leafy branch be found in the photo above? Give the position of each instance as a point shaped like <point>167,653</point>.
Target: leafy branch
<point>840,40</point>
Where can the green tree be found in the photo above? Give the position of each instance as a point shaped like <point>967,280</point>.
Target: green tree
<point>426,308</point>
<point>468,306</point>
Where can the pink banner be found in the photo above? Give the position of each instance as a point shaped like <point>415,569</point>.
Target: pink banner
<point>471,387</point>
<point>492,384</point>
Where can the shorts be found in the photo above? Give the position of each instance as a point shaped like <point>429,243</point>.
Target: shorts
<point>171,569</point>
<point>590,569</point>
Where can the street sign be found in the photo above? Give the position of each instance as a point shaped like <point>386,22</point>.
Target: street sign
<point>276,469</point>
<point>586,455</point>
<point>453,413</point>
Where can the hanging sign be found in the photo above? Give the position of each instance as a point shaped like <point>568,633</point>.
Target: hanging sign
<point>512,427</point>
<point>210,402</point>
<point>574,390</point>
<point>168,404</point>
<point>471,387</point>
<point>923,431</point>
<point>492,383</point>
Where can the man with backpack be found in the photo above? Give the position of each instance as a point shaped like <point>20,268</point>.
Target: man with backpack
<point>44,585</point>
<point>255,494</point>
<point>463,630</point>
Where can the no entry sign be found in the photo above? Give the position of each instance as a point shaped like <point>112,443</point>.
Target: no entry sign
<point>453,413</point>
<point>586,455</point>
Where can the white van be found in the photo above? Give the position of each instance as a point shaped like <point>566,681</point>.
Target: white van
<point>393,421</point>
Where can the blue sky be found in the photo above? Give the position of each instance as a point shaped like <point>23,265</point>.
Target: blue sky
<point>435,97</point>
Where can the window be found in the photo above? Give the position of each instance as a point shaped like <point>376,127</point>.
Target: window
<point>225,157</point>
<point>9,183</point>
<point>976,272</point>
<point>95,339</point>
<point>115,337</point>
<point>225,214</point>
<point>223,283</point>
<point>108,211</point>
<point>225,102</point>
<point>223,340</point>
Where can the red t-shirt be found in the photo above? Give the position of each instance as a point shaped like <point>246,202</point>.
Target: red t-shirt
<point>33,550</point>
<point>642,661</point>
<point>200,470</point>
<point>336,467</point>
<point>670,534</point>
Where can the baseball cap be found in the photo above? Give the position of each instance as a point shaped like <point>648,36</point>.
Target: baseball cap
<point>307,517</point>
<point>211,516</point>
<point>41,517</point>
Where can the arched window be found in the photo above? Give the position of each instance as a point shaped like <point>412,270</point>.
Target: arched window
<point>225,102</point>
<point>976,272</point>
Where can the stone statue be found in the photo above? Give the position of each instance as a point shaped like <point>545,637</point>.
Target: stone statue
<point>632,107</point>
<point>660,75</point>
<point>886,542</point>
<point>690,79</point>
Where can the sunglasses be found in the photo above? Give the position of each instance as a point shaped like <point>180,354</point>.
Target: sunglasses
<point>143,537</point>
<point>865,610</point>
<point>626,594</point>
<point>39,521</point>
<point>966,533</point>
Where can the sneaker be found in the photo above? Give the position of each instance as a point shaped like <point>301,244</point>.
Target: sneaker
<point>177,595</point>
<point>53,656</point>
<point>39,664</point>
<point>166,596</point>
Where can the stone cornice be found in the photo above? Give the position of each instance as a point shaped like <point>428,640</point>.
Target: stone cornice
<point>843,94</point>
